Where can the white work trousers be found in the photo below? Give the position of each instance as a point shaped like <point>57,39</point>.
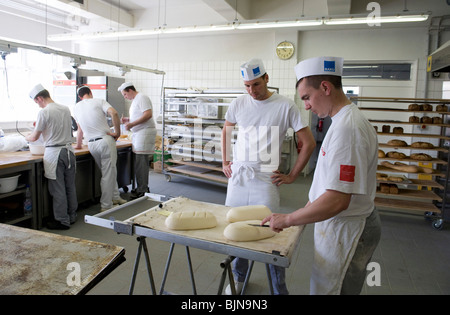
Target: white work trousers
<point>104,152</point>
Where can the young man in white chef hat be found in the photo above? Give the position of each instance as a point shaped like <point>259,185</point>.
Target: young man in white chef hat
<point>54,123</point>
<point>263,118</point>
<point>90,114</point>
<point>341,198</point>
<point>144,133</point>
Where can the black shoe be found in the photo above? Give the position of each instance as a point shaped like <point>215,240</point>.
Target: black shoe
<point>136,195</point>
<point>56,225</point>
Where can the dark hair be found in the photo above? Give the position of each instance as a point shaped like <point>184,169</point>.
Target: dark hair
<point>131,87</point>
<point>315,80</point>
<point>82,91</point>
<point>43,94</point>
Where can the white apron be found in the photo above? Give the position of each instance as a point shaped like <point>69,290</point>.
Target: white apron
<point>335,242</point>
<point>51,155</point>
<point>144,141</point>
<point>249,186</point>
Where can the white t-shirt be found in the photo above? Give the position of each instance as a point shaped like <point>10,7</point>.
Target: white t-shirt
<point>140,104</point>
<point>91,115</point>
<point>262,126</point>
<point>348,161</point>
<point>55,124</point>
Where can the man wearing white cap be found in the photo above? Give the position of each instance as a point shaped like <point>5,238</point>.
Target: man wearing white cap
<point>144,132</point>
<point>54,123</point>
<point>90,114</point>
<point>341,198</point>
<point>263,118</point>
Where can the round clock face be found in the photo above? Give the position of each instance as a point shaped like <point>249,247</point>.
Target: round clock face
<point>285,50</point>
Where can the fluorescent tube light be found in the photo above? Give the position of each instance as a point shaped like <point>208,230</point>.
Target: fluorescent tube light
<point>375,20</point>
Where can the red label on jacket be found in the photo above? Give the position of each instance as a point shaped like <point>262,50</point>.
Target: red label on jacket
<point>347,173</point>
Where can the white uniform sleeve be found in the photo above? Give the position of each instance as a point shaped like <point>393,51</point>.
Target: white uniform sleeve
<point>231,112</point>
<point>295,118</point>
<point>347,162</point>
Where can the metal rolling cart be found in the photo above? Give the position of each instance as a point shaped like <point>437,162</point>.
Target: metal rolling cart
<point>149,223</point>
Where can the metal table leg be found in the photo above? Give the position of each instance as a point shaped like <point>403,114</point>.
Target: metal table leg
<point>166,270</point>
<point>142,246</point>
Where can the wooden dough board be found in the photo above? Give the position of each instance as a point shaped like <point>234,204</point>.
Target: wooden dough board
<point>154,218</point>
<point>35,262</point>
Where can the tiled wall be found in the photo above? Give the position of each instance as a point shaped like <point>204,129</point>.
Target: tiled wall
<point>203,75</point>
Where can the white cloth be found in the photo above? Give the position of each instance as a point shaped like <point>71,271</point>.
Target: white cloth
<point>55,123</point>
<point>348,161</point>
<point>91,115</point>
<point>105,155</point>
<point>262,128</point>
<point>140,104</point>
<point>335,242</point>
<point>143,138</point>
<point>319,66</point>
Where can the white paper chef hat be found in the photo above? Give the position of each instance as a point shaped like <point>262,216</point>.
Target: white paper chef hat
<point>252,69</point>
<point>124,86</point>
<point>319,66</point>
<point>36,90</point>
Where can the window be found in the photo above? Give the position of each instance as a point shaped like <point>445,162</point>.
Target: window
<point>384,71</point>
<point>19,73</point>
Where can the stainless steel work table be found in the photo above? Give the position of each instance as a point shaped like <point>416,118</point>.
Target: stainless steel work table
<point>149,223</point>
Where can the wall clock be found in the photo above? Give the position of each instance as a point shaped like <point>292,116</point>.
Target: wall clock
<point>285,50</point>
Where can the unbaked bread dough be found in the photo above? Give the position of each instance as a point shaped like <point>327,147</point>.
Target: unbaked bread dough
<point>257,212</point>
<point>191,220</point>
<point>243,232</point>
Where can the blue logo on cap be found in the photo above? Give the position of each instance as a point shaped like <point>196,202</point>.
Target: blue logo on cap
<point>329,66</point>
<point>242,73</point>
<point>256,72</point>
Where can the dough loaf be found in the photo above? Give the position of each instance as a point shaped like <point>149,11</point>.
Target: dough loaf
<point>243,232</point>
<point>191,220</point>
<point>244,213</point>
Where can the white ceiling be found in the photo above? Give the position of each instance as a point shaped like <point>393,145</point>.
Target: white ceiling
<point>104,15</point>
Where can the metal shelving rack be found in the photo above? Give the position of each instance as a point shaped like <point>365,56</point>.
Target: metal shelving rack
<point>424,195</point>
<point>192,122</point>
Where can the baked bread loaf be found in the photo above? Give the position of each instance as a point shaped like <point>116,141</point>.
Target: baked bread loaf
<point>420,144</point>
<point>397,130</point>
<point>414,107</point>
<point>441,108</point>
<point>426,120</point>
<point>381,153</point>
<point>384,188</point>
<point>397,179</point>
<point>414,119</point>
<point>427,107</point>
<point>381,176</point>
<point>437,120</point>
<point>386,128</point>
<point>421,157</point>
<point>393,189</point>
<point>397,143</point>
<point>388,188</point>
<point>396,155</point>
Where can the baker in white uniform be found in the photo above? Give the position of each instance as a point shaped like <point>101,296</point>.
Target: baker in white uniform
<point>144,132</point>
<point>263,118</point>
<point>341,198</point>
<point>90,114</point>
<point>54,123</point>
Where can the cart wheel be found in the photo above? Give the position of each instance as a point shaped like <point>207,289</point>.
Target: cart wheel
<point>168,178</point>
<point>438,224</point>
<point>428,215</point>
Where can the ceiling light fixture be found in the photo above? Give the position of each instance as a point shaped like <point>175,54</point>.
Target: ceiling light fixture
<point>241,26</point>
<point>374,19</point>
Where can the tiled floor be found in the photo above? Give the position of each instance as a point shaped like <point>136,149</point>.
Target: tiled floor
<point>413,257</point>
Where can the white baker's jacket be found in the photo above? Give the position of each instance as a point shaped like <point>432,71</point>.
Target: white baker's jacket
<point>347,162</point>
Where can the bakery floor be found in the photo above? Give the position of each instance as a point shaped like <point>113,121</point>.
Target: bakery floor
<point>414,257</point>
